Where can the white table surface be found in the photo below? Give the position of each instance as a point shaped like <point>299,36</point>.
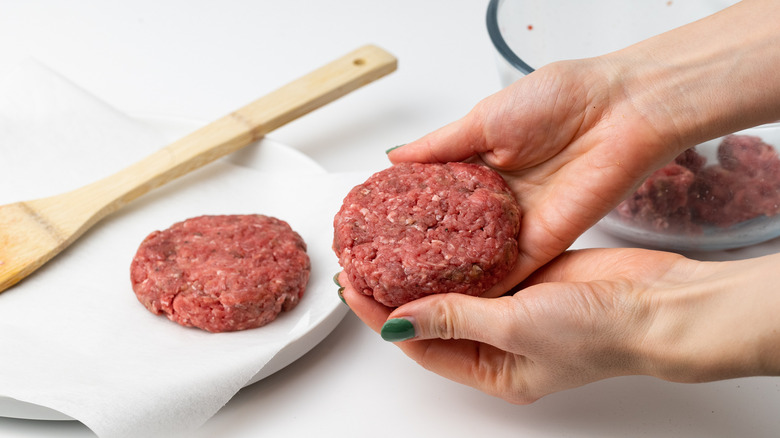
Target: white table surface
<point>202,59</point>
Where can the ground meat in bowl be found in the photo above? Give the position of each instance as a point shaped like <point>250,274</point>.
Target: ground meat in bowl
<point>419,229</point>
<point>221,273</point>
<point>688,195</point>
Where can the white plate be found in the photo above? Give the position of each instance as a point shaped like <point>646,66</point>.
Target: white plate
<point>271,157</point>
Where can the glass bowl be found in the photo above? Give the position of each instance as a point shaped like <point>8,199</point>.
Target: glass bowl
<point>528,34</point>
<point>721,194</point>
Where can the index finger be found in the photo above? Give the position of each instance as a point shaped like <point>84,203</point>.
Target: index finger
<point>453,142</point>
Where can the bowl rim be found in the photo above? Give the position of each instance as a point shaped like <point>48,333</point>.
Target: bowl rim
<point>499,42</point>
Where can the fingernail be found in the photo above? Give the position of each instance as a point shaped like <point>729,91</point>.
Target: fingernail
<point>341,295</point>
<point>341,288</point>
<point>394,148</point>
<point>397,329</point>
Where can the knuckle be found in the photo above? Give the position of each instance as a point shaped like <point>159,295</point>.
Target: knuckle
<point>446,322</point>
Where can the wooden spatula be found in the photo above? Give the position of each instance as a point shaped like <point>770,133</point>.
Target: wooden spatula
<point>32,232</point>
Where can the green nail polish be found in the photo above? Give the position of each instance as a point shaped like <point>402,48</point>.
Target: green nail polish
<point>397,329</point>
<point>394,148</point>
<point>341,288</point>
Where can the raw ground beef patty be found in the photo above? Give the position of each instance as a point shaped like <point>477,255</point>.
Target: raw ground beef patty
<point>418,229</point>
<point>221,273</point>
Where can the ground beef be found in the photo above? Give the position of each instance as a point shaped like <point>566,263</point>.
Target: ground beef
<point>686,196</point>
<point>691,160</point>
<point>749,156</point>
<point>661,202</point>
<point>221,273</point>
<point>418,229</point>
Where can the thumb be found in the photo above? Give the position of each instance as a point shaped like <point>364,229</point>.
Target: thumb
<point>450,316</point>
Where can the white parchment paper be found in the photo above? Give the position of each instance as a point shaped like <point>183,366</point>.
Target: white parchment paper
<point>73,337</point>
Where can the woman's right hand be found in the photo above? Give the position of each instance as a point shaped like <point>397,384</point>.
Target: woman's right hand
<point>594,314</point>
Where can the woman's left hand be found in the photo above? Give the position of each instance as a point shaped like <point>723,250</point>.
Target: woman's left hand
<point>594,314</point>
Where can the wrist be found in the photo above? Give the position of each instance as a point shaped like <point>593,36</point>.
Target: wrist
<point>708,78</point>
<point>720,324</point>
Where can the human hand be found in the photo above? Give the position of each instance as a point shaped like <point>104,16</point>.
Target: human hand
<point>569,143</point>
<point>594,314</point>
<point>575,137</point>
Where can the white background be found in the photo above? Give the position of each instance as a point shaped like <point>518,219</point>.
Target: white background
<point>203,59</point>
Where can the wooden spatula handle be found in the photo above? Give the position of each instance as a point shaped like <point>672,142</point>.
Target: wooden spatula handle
<point>226,135</point>
<point>281,106</point>
<point>32,232</point>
